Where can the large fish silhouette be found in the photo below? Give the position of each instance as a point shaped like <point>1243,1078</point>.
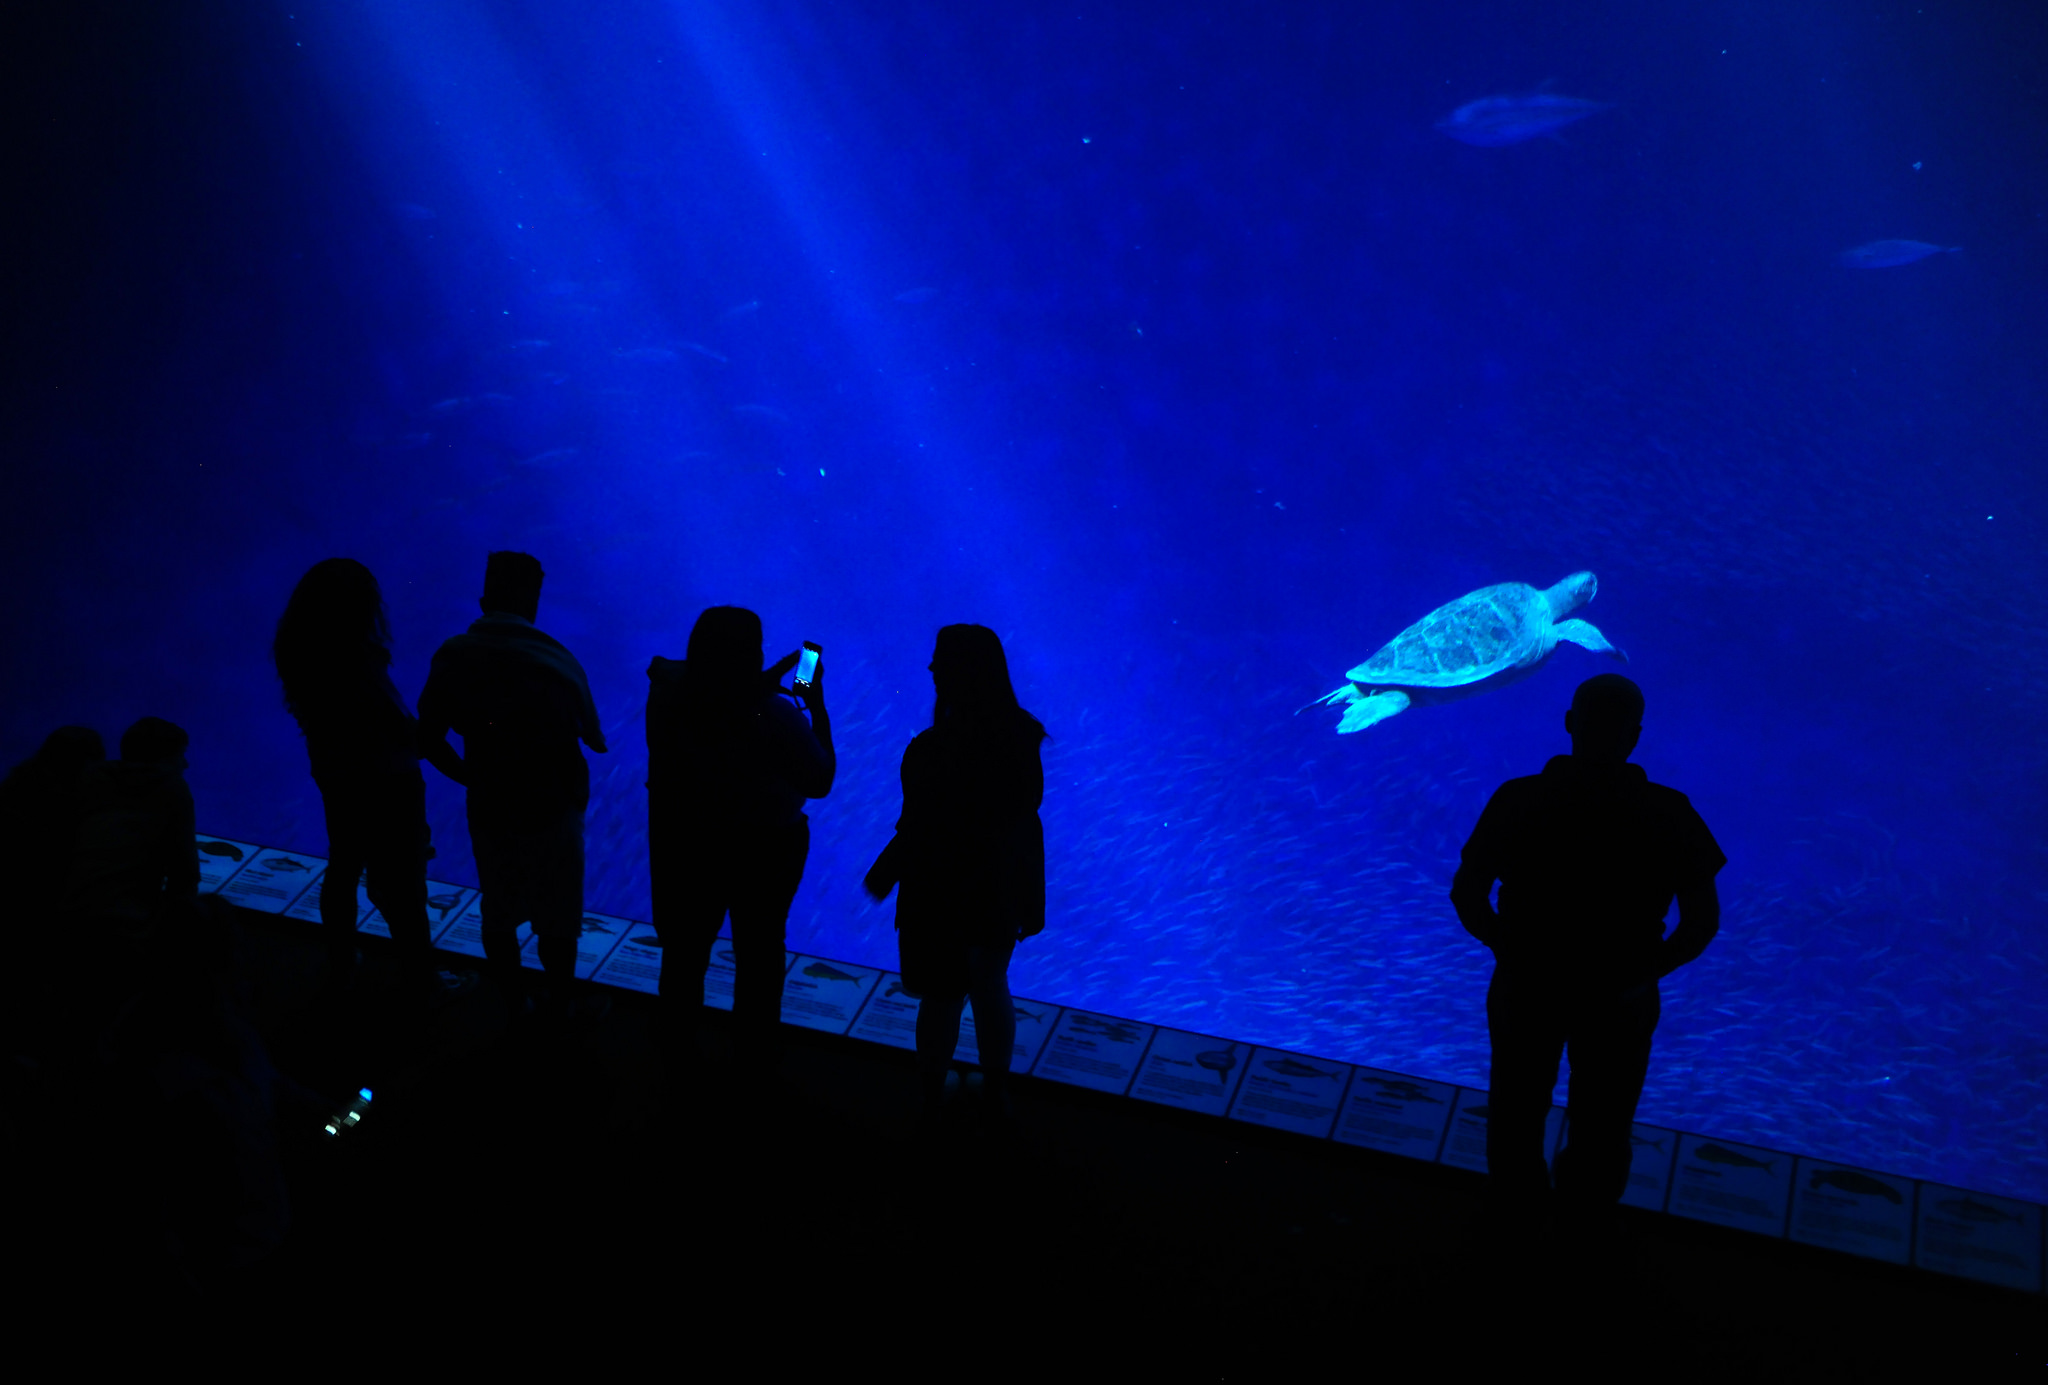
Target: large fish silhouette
<point>1496,120</point>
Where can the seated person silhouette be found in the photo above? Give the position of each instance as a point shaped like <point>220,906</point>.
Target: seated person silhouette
<point>730,762</point>
<point>521,703</point>
<point>39,806</point>
<point>1589,855</point>
<point>134,856</point>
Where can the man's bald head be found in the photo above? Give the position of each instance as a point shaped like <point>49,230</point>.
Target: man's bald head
<point>1606,718</point>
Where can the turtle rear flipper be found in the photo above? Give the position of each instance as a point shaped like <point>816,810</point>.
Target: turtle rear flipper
<point>1369,710</point>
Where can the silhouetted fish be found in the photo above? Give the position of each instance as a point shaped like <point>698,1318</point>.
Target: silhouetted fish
<point>227,849</point>
<point>1883,254</point>
<point>1406,1091</point>
<point>552,457</point>
<point>1721,1154</point>
<point>1219,1061</point>
<point>1969,1209</point>
<point>1497,120</point>
<point>824,972</point>
<point>1288,1067</point>
<point>1862,1184</point>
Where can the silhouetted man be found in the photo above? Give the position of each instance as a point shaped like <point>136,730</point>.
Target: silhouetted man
<point>520,702</point>
<point>1589,855</point>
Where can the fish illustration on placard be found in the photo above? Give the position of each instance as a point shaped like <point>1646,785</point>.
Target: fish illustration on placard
<point>227,849</point>
<point>1969,1209</point>
<point>1862,1184</point>
<point>591,925</point>
<point>896,988</point>
<point>444,904</point>
<point>1024,1014</point>
<point>286,863</point>
<point>646,940</point>
<point>1219,1061</point>
<point>1404,1091</point>
<point>1113,1030</point>
<point>1734,1159</point>
<point>823,971</point>
<point>1289,1067</point>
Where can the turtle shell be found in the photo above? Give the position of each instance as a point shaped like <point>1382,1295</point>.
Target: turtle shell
<point>1473,638</point>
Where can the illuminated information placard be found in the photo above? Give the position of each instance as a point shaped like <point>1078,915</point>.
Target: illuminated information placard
<point>1651,1153</point>
<point>307,905</point>
<point>1401,1115</point>
<point>1196,1072</point>
<point>890,1016</point>
<point>635,964</point>
<point>1099,1052</point>
<point>595,940</point>
<point>1465,1141</point>
<point>823,995</point>
<point>271,881</point>
<point>1978,1236</point>
<point>1731,1184</point>
<point>1035,1020</point>
<point>219,859</point>
<point>1289,1092</point>
<point>1852,1209</point>
<point>465,932</point>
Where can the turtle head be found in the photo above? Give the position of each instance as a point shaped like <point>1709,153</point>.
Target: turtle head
<point>1570,594</point>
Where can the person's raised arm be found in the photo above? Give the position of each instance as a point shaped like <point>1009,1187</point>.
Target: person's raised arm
<point>823,771</point>
<point>1699,919</point>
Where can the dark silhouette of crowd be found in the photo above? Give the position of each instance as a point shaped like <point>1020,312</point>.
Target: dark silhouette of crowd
<point>149,1012</point>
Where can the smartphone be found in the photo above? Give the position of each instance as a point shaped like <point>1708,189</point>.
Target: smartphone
<point>807,664</point>
<point>351,1115</point>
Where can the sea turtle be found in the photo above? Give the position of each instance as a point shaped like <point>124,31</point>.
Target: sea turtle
<point>1482,640</point>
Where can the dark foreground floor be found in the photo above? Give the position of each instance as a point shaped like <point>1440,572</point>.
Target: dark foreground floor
<point>515,1191</point>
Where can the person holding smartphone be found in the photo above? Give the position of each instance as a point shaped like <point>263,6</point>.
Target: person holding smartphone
<point>730,762</point>
<point>969,855</point>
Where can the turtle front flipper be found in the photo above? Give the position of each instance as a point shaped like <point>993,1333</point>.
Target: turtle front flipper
<point>1371,709</point>
<point>1582,633</point>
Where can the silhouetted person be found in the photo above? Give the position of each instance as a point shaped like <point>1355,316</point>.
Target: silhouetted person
<point>132,882</point>
<point>521,703</point>
<point>1589,855</point>
<point>134,857</point>
<point>39,807</point>
<point>730,762</point>
<point>969,854</point>
<point>333,653</point>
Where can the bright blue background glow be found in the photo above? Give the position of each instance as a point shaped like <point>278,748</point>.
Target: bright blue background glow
<point>1179,346</point>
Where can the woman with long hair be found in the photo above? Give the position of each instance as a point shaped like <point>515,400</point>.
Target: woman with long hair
<point>730,762</point>
<point>969,855</point>
<point>333,654</point>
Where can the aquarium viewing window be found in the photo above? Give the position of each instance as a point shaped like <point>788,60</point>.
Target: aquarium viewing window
<point>1310,396</point>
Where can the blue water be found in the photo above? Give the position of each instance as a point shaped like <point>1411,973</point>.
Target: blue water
<point>1181,346</point>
